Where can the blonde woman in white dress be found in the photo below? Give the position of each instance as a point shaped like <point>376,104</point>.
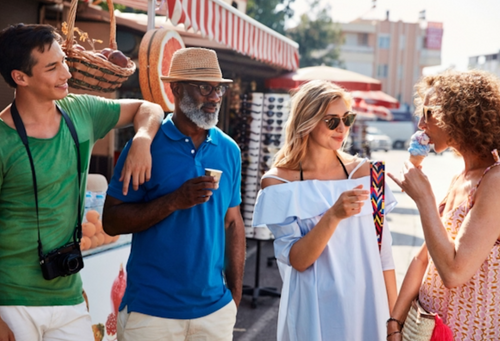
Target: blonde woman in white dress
<point>337,285</point>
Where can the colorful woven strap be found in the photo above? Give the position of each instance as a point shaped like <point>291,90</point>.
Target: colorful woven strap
<point>377,182</point>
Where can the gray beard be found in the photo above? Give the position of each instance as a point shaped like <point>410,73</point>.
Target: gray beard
<point>196,115</point>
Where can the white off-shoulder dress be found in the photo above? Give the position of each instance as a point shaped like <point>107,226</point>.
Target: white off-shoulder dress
<point>342,296</point>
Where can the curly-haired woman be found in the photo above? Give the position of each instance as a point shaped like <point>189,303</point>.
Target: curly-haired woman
<point>461,254</point>
<point>315,200</point>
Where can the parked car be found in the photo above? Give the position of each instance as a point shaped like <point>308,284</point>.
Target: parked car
<point>377,140</point>
<point>398,131</point>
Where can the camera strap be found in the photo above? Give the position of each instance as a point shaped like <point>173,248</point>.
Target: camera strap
<point>18,122</point>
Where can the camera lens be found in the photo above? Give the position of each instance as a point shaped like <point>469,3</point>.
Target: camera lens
<point>70,263</point>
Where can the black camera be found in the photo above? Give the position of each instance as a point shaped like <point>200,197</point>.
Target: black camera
<point>64,261</point>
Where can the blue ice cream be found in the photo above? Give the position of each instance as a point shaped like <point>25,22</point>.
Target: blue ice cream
<point>419,144</point>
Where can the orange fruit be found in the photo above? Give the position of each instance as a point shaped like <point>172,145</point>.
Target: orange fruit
<point>92,216</point>
<point>100,239</point>
<point>94,241</point>
<point>155,54</point>
<point>107,238</point>
<point>98,227</point>
<point>88,229</point>
<point>85,243</point>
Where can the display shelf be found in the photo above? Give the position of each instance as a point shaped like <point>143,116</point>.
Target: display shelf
<point>124,240</point>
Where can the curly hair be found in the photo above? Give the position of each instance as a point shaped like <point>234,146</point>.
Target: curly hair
<point>309,105</point>
<point>470,108</point>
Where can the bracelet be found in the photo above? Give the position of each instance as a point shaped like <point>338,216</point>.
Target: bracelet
<point>401,324</point>
<point>393,333</point>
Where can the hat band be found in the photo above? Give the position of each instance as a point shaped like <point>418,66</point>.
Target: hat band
<point>205,72</point>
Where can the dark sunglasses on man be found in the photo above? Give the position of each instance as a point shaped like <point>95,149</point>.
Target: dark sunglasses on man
<point>334,121</point>
<point>206,89</point>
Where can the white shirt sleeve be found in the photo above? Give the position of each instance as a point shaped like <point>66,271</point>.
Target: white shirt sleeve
<point>386,258</point>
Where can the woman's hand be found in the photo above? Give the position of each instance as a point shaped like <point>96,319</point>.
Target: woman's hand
<point>349,203</point>
<point>414,182</point>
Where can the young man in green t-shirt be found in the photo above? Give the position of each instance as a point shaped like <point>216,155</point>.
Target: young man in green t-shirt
<point>32,62</point>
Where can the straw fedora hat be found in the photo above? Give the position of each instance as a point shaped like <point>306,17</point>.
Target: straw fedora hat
<point>195,64</point>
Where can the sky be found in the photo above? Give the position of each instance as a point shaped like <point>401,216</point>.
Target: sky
<point>471,27</point>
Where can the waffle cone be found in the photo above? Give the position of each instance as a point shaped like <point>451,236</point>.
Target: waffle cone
<point>416,159</point>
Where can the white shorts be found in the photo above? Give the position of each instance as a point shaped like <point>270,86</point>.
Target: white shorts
<point>49,323</point>
<point>217,326</point>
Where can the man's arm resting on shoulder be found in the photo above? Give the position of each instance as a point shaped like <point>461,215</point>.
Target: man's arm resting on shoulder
<point>147,118</point>
<point>235,252</point>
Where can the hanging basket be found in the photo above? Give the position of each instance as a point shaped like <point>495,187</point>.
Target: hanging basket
<point>90,72</point>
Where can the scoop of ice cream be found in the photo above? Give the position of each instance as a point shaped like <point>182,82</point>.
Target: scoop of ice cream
<point>419,144</point>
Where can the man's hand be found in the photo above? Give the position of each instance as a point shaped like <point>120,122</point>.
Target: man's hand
<point>193,192</point>
<point>5,333</point>
<point>138,164</point>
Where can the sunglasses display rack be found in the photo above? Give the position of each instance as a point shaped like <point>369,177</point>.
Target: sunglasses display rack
<point>275,113</point>
<point>245,129</point>
<point>259,131</point>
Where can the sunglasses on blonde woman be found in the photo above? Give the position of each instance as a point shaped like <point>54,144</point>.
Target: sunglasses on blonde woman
<point>334,121</point>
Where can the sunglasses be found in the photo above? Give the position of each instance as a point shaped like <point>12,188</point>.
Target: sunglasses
<point>267,142</point>
<point>207,89</point>
<point>427,111</point>
<point>271,128</point>
<point>271,113</point>
<point>272,99</point>
<point>334,121</point>
<point>248,105</point>
<point>271,106</point>
<point>272,136</point>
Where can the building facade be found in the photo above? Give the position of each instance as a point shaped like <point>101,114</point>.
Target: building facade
<point>488,62</point>
<point>393,52</point>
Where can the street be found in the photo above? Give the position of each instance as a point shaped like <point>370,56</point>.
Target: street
<point>259,324</point>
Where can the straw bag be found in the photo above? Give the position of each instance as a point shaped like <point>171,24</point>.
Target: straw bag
<point>89,71</point>
<point>420,325</point>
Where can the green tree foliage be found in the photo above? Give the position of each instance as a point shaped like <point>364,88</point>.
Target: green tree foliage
<point>319,38</point>
<point>272,13</point>
<point>121,8</point>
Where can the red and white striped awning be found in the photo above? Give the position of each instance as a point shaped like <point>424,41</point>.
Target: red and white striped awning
<point>224,24</point>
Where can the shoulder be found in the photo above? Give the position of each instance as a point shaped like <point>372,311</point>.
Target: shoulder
<point>352,162</point>
<point>86,101</point>
<point>282,173</point>
<point>491,180</point>
<point>224,139</point>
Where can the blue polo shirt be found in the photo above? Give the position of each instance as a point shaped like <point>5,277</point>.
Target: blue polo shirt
<point>175,268</point>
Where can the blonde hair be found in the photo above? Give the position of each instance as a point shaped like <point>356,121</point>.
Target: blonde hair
<point>309,106</point>
<point>470,108</point>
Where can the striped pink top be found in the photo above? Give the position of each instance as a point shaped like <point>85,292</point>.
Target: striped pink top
<point>472,310</point>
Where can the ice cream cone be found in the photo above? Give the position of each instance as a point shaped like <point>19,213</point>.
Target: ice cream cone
<point>417,159</point>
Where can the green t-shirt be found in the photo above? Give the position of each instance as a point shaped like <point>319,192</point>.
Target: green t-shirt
<point>55,160</point>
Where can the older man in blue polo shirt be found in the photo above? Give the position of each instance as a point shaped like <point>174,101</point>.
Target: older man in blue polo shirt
<point>185,268</point>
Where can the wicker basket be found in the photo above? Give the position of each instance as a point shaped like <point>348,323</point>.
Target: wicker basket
<point>419,323</point>
<point>89,71</point>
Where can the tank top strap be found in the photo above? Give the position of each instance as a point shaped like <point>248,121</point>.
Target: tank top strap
<point>474,189</point>
<point>274,177</point>
<point>357,167</point>
<point>338,158</point>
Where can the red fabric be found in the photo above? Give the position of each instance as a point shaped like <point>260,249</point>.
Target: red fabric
<point>441,331</point>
